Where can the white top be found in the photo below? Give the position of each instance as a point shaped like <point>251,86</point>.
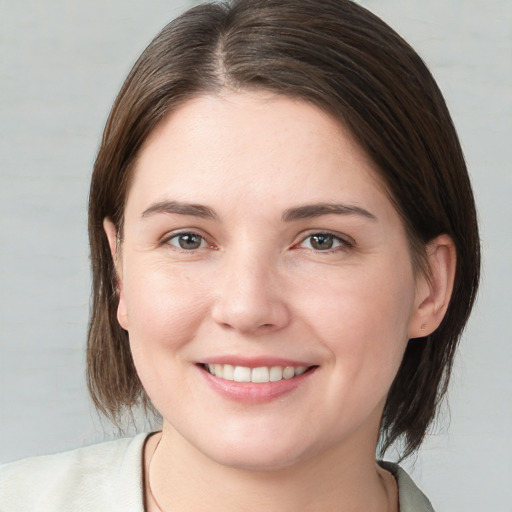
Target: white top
<point>108,477</point>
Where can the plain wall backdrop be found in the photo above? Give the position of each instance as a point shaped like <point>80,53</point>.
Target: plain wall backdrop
<point>61,65</point>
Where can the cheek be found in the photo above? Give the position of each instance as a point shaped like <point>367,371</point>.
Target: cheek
<point>163,308</point>
<point>363,321</point>
<point>357,299</point>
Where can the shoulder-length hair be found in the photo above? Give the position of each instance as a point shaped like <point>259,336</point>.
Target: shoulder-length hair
<point>345,60</point>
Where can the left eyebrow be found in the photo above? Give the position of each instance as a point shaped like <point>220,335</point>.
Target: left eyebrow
<point>176,207</point>
<point>317,210</point>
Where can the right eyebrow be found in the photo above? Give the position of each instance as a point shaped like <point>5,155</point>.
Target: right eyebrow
<point>177,207</point>
<point>310,211</point>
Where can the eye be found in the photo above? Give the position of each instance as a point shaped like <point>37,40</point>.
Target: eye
<point>187,241</point>
<point>323,242</point>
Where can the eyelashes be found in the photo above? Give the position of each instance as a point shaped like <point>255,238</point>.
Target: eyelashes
<point>324,242</point>
<point>187,241</point>
<point>320,241</point>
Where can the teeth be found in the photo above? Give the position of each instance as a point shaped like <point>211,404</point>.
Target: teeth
<point>276,373</point>
<point>242,374</point>
<point>228,372</point>
<point>288,372</point>
<point>261,374</point>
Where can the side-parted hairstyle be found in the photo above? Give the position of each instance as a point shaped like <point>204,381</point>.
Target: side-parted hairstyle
<point>343,59</point>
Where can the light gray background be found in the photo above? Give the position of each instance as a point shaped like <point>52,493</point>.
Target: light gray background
<point>62,62</point>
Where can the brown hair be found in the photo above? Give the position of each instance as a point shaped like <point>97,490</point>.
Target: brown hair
<point>340,57</point>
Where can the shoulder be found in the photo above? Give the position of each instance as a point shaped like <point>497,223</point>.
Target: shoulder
<point>410,497</point>
<point>106,476</point>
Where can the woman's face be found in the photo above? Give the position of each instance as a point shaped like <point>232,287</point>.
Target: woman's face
<point>259,246</point>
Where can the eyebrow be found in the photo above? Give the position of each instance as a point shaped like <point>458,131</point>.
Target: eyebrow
<point>292,214</point>
<point>176,207</point>
<point>317,210</point>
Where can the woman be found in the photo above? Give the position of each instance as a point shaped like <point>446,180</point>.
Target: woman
<point>285,252</point>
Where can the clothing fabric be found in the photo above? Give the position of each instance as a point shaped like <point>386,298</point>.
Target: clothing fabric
<point>109,477</point>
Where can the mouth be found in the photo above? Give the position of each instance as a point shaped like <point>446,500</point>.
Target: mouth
<point>258,375</point>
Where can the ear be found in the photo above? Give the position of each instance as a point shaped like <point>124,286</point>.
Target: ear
<point>113,241</point>
<point>434,287</point>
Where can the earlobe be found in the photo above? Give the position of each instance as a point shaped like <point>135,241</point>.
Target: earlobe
<point>113,241</point>
<point>434,290</point>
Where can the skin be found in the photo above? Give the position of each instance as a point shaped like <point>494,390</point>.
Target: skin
<point>257,286</point>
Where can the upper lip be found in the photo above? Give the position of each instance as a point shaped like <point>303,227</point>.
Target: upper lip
<point>254,362</point>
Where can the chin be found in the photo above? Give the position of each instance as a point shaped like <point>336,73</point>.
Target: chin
<point>257,454</point>
<point>256,460</point>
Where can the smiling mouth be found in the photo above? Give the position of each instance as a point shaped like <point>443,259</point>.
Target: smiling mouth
<point>259,375</point>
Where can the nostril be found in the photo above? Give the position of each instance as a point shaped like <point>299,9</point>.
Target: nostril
<point>250,311</point>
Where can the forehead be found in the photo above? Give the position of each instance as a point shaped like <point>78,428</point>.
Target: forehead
<point>258,143</point>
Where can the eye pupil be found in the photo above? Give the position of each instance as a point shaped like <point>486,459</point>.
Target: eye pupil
<point>322,242</point>
<point>189,241</point>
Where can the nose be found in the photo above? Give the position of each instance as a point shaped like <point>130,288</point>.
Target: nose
<point>250,296</point>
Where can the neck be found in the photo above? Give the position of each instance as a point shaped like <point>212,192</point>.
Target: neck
<point>180,479</point>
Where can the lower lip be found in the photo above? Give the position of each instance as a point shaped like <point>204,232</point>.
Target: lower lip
<point>251,393</point>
